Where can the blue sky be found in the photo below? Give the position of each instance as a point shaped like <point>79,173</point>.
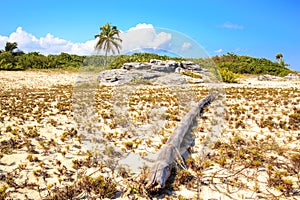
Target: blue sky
<point>255,28</point>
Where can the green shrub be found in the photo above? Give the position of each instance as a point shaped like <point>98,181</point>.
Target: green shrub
<point>249,65</point>
<point>67,60</point>
<point>7,61</point>
<point>3,191</point>
<point>35,60</point>
<point>191,74</point>
<point>103,187</point>
<point>119,61</point>
<point>294,120</point>
<point>228,76</point>
<point>97,60</point>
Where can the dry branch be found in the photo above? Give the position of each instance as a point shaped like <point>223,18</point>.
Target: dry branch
<point>177,145</point>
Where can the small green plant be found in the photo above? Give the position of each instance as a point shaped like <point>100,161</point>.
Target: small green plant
<point>103,187</point>
<point>241,124</point>
<point>228,76</point>
<point>128,145</point>
<point>123,171</point>
<point>294,120</point>
<point>192,74</point>
<point>238,140</point>
<point>109,151</point>
<point>32,158</point>
<point>256,163</point>
<point>183,177</point>
<point>207,164</point>
<point>3,192</point>
<point>295,158</point>
<point>141,81</point>
<point>8,129</point>
<point>222,161</point>
<point>63,153</point>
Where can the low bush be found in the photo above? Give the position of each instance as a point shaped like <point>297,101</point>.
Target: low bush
<point>250,65</point>
<point>35,60</point>
<point>228,76</point>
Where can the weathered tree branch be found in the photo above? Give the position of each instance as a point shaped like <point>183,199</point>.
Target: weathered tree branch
<point>176,146</point>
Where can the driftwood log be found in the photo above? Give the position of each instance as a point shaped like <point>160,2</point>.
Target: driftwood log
<point>176,147</point>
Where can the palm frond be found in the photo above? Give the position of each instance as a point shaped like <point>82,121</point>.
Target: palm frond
<point>109,39</point>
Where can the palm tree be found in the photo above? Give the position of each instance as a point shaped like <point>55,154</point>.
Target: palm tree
<point>279,58</point>
<point>10,46</point>
<point>108,39</point>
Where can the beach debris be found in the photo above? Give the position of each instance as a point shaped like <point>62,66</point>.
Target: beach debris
<point>176,149</point>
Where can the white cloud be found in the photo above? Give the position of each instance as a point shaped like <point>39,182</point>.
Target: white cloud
<point>138,37</point>
<point>3,40</point>
<point>46,45</point>
<point>141,26</point>
<point>186,46</point>
<point>144,36</point>
<point>230,25</point>
<point>219,51</point>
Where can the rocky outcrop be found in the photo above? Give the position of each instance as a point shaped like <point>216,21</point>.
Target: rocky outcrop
<point>121,76</point>
<point>190,65</point>
<point>268,77</point>
<point>179,70</point>
<point>136,65</point>
<point>162,66</point>
<point>155,72</point>
<point>293,77</point>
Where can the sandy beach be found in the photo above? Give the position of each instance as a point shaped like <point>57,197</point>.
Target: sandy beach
<point>247,143</point>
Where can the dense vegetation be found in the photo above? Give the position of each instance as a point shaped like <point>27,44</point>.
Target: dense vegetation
<point>35,60</point>
<point>228,65</point>
<point>249,65</point>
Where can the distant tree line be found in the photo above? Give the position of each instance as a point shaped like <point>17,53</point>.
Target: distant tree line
<point>250,65</point>
<point>227,65</point>
<point>11,58</point>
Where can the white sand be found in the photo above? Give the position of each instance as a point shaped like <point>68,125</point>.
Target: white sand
<point>145,142</point>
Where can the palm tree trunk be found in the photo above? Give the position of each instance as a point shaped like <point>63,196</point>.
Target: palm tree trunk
<point>105,61</point>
